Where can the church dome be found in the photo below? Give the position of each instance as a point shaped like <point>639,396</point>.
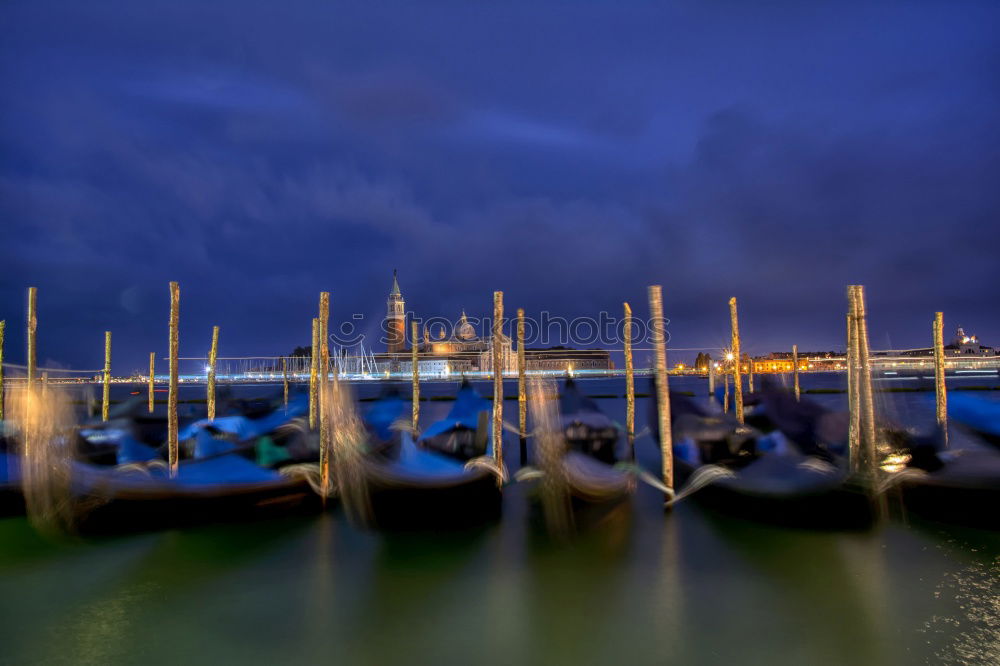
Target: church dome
<point>464,330</point>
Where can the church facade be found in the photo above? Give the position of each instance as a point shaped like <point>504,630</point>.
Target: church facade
<point>445,352</point>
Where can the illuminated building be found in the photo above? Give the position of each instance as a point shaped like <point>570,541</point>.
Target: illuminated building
<point>395,319</point>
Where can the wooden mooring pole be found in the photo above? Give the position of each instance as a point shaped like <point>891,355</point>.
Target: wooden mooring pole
<point>324,342</point>
<point>795,371</point>
<point>498,381</point>
<point>3,330</point>
<point>213,355</point>
<point>106,399</point>
<point>725,392</point>
<point>325,434</point>
<point>655,293</point>
<point>314,375</point>
<point>522,398</point>
<point>862,418</point>
<point>629,383</point>
<point>173,450</point>
<point>32,334</point>
<point>415,362</point>
<point>737,360</point>
<point>151,378</point>
<point>940,389</point>
<point>853,399</point>
<point>868,443</point>
<point>284,380</point>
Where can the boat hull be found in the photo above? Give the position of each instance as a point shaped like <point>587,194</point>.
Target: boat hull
<point>834,506</point>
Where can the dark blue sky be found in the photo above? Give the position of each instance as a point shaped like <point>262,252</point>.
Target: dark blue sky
<point>260,152</point>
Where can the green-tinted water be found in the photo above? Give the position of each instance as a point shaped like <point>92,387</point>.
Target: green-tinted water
<point>645,588</point>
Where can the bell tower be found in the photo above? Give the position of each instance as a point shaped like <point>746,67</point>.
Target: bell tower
<point>395,315</point>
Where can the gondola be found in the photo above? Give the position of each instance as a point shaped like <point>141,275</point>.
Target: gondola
<point>792,478</point>
<point>596,486</point>
<point>444,479</point>
<point>220,480</point>
<point>978,415</point>
<point>11,498</point>
<point>959,486</point>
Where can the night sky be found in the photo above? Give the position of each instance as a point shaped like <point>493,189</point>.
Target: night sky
<point>259,152</point>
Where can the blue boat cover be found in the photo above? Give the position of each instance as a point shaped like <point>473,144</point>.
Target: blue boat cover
<point>10,468</point>
<point>974,411</point>
<point>465,412</point>
<point>245,428</point>
<point>383,414</point>
<point>130,450</point>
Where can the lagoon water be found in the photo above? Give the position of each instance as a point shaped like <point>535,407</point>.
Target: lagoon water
<point>647,587</point>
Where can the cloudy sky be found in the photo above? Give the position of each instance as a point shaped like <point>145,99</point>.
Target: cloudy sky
<point>566,153</point>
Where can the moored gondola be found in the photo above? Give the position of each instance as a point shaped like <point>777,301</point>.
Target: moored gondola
<point>444,479</point>
<point>592,439</point>
<point>228,475</point>
<point>793,479</point>
<point>11,497</point>
<point>960,485</point>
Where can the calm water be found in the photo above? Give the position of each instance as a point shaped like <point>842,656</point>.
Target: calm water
<point>647,588</point>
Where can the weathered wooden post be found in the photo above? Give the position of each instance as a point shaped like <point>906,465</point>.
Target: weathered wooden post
<point>750,374</point>
<point>662,388</point>
<point>711,378</point>
<point>725,392</point>
<point>45,383</point>
<point>314,375</point>
<point>940,390</point>
<point>853,399</point>
<point>737,360</point>
<point>324,341</point>
<point>415,362</point>
<point>213,354</point>
<point>522,401</point>
<point>284,380</point>
<point>173,449</point>
<point>3,330</point>
<point>325,402</point>
<point>629,384</point>
<point>150,379</point>
<point>498,382</point>
<point>106,399</point>
<point>795,371</point>
<point>868,442</point>
<point>32,333</point>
